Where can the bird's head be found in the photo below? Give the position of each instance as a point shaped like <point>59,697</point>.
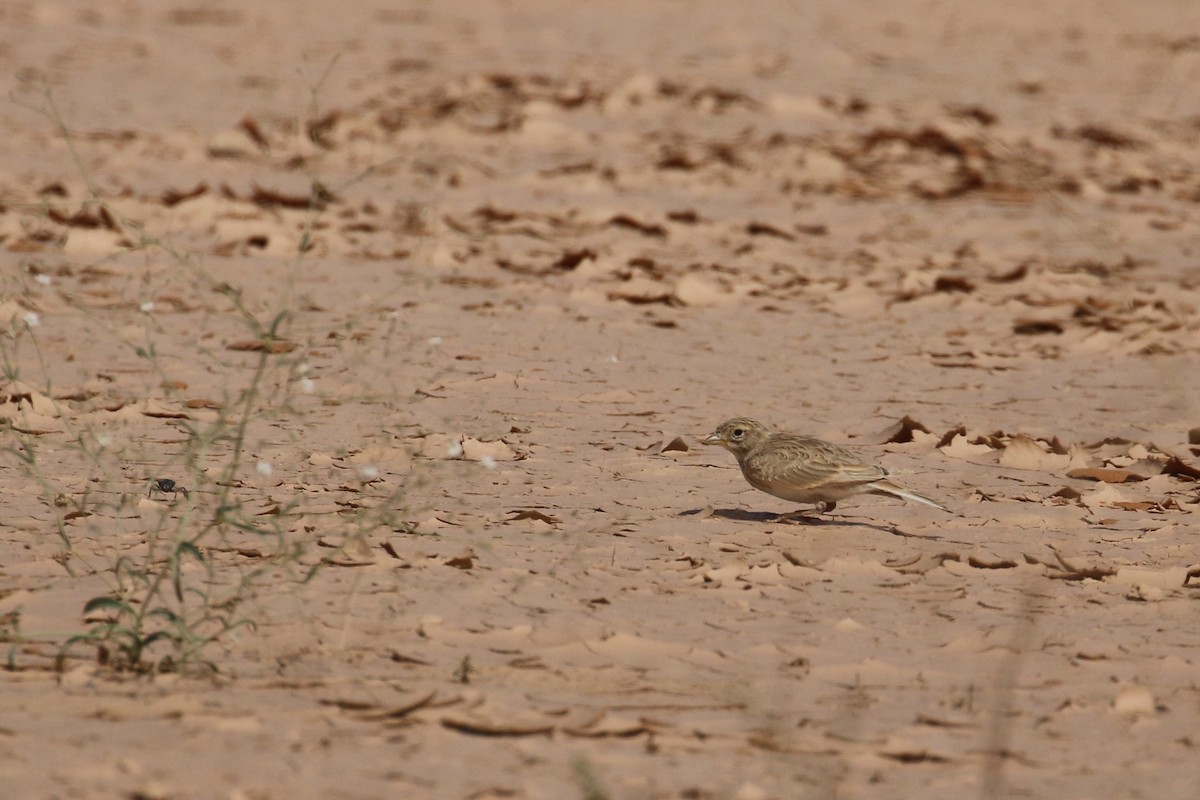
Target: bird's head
<point>738,435</point>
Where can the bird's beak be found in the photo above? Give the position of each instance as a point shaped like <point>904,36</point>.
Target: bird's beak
<point>713,438</point>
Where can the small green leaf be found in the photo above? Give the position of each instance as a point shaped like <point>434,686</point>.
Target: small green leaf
<point>166,614</point>
<point>107,604</point>
<point>188,548</point>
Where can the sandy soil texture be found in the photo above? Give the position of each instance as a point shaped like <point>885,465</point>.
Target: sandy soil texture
<point>356,362</point>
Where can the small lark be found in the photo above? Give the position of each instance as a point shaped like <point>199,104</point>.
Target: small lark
<point>803,469</point>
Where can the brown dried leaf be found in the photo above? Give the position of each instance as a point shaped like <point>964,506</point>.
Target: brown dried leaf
<point>1012,276</point>
<point>481,727</point>
<point>608,726</point>
<point>1033,327</point>
<point>901,432</point>
<point>1023,452</point>
<point>949,435</point>
<point>476,450</point>
<point>645,228</point>
<point>1104,474</point>
<point>763,229</point>
<point>676,444</point>
<point>200,402</point>
<point>1134,505</point>
<point>1066,571</point>
<point>347,705</point>
<point>316,199</point>
<point>570,259</point>
<point>532,513</point>
<point>262,346</point>
<point>1179,469</point>
<point>373,712</point>
<point>173,197</point>
<point>153,408</point>
<point>979,563</point>
<point>953,283</point>
<point>641,298</point>
<point>464,561</point>
<point>251,128</point>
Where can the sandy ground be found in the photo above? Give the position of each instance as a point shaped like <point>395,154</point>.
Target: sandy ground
<point>509,262</point>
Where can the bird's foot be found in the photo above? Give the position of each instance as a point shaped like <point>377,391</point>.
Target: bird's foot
<point>809,516</point>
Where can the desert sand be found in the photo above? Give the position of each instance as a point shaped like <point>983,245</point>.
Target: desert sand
<point>427,306</point>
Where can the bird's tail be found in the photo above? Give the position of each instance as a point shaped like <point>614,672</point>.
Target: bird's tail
<point>887,487</point>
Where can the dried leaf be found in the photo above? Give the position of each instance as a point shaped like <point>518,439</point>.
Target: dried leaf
<point>645,228</point>
<point>391,547</point>
<point>1179,469</point>
<point>1022,452</point>
<point>200,402</point>
<point>570,259</point>
<point>347,705</point>
<point>1135,505</point>
<point>475,450</point>
<point>262,346</point>
<point>608,726</point>
<point>1034,327</point>
<point>317,198</point>
<point>912,755</point>
<point>763,229</point>
<point>481,727</point>
<point>464,561</point>
<point>1002,563</point>
<point>153,408</point>
<point>959,447</point>
<point>950,435</point>
<point>676,444</point>
<point>953,283</point>
<point>532,513</point>
<point>173,197</point>
<point>1106,475</point>
<point>396,711</point>
<point>901,432</point>
<point>1066,571</point>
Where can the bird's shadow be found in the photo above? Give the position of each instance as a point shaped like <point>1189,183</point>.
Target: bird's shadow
<point>798,518</point>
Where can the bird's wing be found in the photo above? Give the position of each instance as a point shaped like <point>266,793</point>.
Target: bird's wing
<point>805,462</point>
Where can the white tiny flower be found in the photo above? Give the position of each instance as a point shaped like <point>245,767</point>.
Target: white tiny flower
<point>104,439</point>
<point>147,306</point>
<point>488,462</point>
<point>302,368</point>
<point>393,315</point>
<point>613,359</point>
<point>455,449</point>
<point>308,385</point>
<point>435,340</point>
<point>43,279</point>
<point>369,473</point>
<point>32,319</point>
<point>263,468</point>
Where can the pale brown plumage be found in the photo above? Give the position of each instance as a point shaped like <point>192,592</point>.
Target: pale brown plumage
<point>803,469</point>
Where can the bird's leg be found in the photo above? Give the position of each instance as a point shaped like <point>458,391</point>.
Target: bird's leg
<point>808,515</point>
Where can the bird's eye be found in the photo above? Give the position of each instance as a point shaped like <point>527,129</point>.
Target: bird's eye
<point>738,433</point>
